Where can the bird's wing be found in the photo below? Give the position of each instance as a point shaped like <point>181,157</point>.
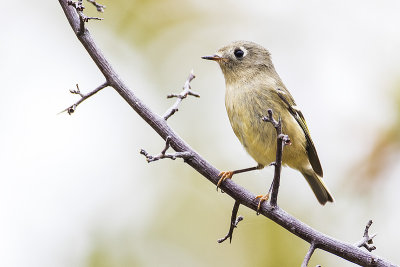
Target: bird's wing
<point>296,113</point>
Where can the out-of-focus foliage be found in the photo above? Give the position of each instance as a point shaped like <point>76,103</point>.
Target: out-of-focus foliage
<point>158,29</point>
<point>144,21</point>
<point>384,152</point>
<point>118,252</point>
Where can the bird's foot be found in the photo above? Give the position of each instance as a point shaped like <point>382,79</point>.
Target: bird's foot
<point>262,199</point>
<point>224,176</point>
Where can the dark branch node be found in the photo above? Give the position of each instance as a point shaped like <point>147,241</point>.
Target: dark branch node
<point>285,139</point>
<point>163,155</point>
<point>187,90</point>
<point>367,240</point>
<point>271,119</point>
<point>77,91</point>
<point>79,7</point>
<point>183,96</point>
<point>86,19</point>
<point>233,224</point>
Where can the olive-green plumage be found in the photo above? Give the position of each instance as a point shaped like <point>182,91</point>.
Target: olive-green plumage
<point>252,87</point>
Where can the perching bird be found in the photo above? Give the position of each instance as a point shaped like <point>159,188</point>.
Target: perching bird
<point>252,87</point>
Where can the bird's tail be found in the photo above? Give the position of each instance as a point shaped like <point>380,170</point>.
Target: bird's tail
<point>318,187</point>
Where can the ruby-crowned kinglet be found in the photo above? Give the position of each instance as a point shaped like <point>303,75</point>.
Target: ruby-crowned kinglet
<point>252,87</point>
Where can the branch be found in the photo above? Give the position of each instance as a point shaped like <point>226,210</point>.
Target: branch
<point>308,255</point>
<point>243,196</point>
<point>163,155</point>
<point>367,241</point>
<point>186,91</point>
<point>282,140</point>
<point>82,17</point>
<point>100,8</point>
<point>71,109</point>
<point>233,224</point>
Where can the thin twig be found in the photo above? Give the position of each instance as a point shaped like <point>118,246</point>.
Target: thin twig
<point>308,255</point>
<point>185,92</point>
<point>71,109</point>
<point>79,7</point>
<point>100,8</point>
<point>233,224</point>
<point>164,155</point>
<point>86,19</point>
<point>282,140</point>
<point>367,240</point>
<point>290,223</point>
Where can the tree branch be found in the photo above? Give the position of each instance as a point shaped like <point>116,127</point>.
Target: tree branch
<point>78,5</point>
<point>366,241</point>
<point>185,155</point>
<point>71,109</point>
<point>186,91</point>
<point>100,8</point>
<point>308,255</point>
<point>233,224</point>
<point>282,140</point>
<point>244,197</point>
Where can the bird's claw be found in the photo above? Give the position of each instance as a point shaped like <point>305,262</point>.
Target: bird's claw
<point>224,176</point>
<point>262,199</point>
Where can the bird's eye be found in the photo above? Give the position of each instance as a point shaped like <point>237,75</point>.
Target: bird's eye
<point>238,53</point>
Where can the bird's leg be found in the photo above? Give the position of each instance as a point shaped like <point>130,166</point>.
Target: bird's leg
<point>264,197</point>
<point>229,174</point>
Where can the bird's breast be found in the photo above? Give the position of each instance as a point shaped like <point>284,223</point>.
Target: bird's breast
<point>245,110</point>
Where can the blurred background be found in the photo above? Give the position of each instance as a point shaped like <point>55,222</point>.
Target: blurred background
<point>74,190</point>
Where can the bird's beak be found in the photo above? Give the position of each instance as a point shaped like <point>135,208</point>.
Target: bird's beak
<point>213,57</point>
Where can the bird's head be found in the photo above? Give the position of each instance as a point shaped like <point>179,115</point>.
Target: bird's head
<point>242,59</point>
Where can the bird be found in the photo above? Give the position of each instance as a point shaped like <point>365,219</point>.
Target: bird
<point>252,88</point>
